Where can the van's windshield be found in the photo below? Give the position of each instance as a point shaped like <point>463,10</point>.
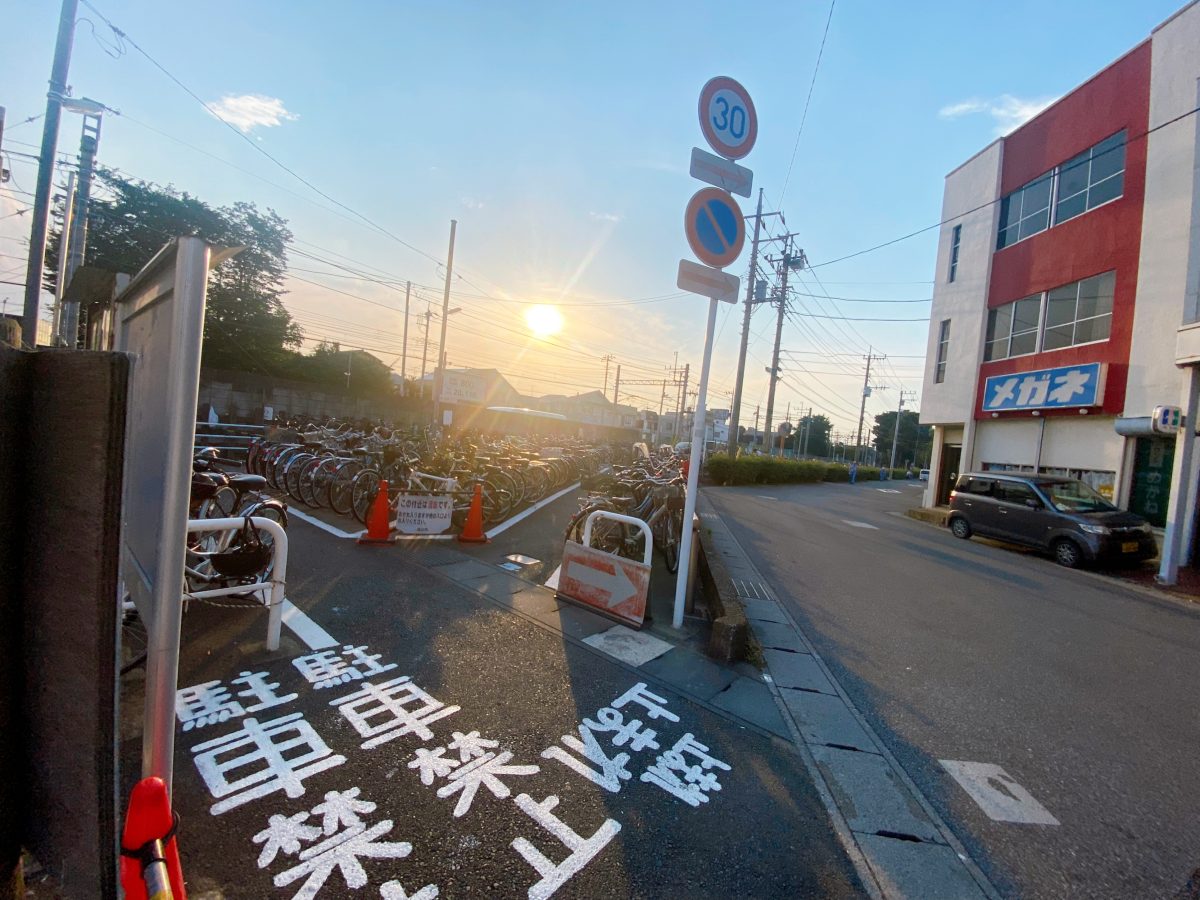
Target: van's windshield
<point>1074,497</point>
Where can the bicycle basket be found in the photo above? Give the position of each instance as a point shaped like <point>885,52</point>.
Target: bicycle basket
<point>246,558</point>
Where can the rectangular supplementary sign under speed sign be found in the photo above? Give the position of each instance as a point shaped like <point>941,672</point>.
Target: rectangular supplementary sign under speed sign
<point>721,173</point>
<point>707,281</point>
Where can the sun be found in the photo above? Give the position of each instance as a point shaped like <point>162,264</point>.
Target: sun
<point>543,321</point>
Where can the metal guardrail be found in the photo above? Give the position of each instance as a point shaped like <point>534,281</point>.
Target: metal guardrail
<point>232,440</point>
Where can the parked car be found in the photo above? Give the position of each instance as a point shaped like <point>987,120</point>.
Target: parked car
<point>1060,515</point>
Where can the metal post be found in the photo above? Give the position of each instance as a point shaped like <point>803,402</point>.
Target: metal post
<point>439,373</point>
<point>1181,484</point>
<point>693,479</point>
<point>736,411</point>
<point>41,192</point>
<point>404,350</point>
<point>64,252</point>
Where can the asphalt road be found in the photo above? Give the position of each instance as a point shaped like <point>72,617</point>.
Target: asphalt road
<point>377,799</point>
<point>1082,690</point>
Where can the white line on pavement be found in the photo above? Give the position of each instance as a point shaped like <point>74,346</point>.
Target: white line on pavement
<point>509,523</point>
<point>997,793</point>
<point>887,490</point>
<point>552,581</point>
<point>324,526</point>
<point>765,497</point>
<point>305,628</point>
<point>854,524</point>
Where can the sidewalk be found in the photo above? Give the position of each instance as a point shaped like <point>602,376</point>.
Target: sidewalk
<point>432,721</point>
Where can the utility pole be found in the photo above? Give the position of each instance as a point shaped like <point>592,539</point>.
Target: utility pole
<point>60,281</point>
<point>607,359</point>
<point>862,410</point>
<point>41,193</point>
<point>807,429</point>
<point>404,350</point>
<point>425,349</point>
<point>786,263</point>
<point>755,422</point>
<point>616,387</point>
<point>682,400</point>
<point>896,431</point>
<point>751,280</point>
<point>439,374</point>
<point>88,145</point>
<point>786,418</point>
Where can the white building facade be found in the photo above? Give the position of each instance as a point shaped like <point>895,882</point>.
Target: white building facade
<point>1065,305</point>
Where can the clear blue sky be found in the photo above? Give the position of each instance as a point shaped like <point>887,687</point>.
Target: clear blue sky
<point>558,135</point>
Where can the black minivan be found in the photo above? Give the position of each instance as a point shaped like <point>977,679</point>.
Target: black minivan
<point>1061,515</point>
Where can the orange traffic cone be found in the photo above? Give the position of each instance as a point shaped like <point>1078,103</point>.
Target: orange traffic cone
<point>472,532</point>
<point>378,526</point>
<point>150,867</point>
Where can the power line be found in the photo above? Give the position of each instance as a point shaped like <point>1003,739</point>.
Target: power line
<point>804,116</point>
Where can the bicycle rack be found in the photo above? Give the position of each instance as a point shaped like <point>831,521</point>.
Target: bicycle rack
<point>619,517</point>
<point>279,554</point>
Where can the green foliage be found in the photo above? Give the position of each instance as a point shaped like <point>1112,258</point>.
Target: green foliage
<point>914,440</point>
<point>747,469</point>
<point>353,371</point>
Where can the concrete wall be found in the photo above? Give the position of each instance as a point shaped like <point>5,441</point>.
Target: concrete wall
<point>963,301</point>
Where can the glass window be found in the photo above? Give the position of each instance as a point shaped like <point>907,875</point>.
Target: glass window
<point>1093,177</point>
<point>980,486</point>
<point>942,350</point>
<point>1012,329</point>
<point>1074,496</point>
<point>955,240</point>
<point>1014,492</point>
<point>1079,313</point>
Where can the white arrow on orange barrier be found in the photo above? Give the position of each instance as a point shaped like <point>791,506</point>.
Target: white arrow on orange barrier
<point>616,584</point>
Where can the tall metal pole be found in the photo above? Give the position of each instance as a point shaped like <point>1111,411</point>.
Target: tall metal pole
<point>693,479</point>
<point>736,411</point>
<point>862,410</point>
<point>439,373</point>
<point>41,192</point>
<point>404,350</point>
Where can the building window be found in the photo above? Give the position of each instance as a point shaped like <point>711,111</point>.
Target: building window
<point>1079,313</point>
<point>955,240</point>
<point>1090,179</point>
<point>1012,329</point>
<point>943,349</point>
<point>1093,177</point>
<point>1026,211</point>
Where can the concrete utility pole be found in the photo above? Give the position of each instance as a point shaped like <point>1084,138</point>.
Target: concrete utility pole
<point>616,386</point>
<point>60,281</point>
<point>807,429</point>
<point>862,410</point>
<point>404,349</point>
<point>425,349</point>
<point>439,374</point>
<point>896,430</point>
<point>736,410</point>
<point>89,142</point>
<point>607,359</point>
<point>786,263</point>
<point>756,407</point>
<point>682,399</point>
<point>787,417</point>
<point>41,192</point>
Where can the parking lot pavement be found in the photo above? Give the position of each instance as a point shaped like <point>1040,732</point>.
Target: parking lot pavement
<point>431,740</point>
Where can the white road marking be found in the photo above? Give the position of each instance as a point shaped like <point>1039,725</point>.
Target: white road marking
<point>521,559</point>
<point>509,523</point>
<point>627,645</point>
<point>854,524</point>
<point>765,497</point>
<point>305,628</point>
<point>997,793</point>
<point>552,581</point>
<point>887,490</point>
<point>324,526</point>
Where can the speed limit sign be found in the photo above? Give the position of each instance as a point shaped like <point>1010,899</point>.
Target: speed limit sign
<point>727,117</point>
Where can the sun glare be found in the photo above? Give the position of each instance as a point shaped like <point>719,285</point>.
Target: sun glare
<point>543,321</point>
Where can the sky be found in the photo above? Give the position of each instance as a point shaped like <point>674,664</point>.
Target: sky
<point>558,136</point>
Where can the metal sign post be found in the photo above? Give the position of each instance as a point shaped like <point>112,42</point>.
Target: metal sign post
<point>716,233</point>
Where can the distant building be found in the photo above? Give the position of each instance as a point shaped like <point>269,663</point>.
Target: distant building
<point>1065,306</point>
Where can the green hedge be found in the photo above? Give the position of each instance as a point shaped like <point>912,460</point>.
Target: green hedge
<point>724,469</point>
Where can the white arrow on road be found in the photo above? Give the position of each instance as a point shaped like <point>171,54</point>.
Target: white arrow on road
<point>618,586</point>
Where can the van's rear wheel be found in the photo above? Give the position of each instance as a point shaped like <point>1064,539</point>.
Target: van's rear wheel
<point>1067,553</point>
<point>960,528</point>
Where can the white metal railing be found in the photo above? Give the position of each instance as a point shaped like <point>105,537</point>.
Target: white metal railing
<point>272,591</point>
<point>619,517</point>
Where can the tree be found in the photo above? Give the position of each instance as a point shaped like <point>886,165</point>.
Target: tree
<point>913,436</point>
<point>354,371</point>
<point>819,428</point>
<point>246,325</point>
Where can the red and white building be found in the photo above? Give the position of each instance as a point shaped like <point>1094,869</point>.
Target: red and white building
<point>1065,306</point>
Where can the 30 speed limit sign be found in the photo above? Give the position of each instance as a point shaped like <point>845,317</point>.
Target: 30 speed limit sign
<point>727,117</point>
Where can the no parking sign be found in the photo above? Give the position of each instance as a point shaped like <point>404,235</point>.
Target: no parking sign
<point>715,229</point>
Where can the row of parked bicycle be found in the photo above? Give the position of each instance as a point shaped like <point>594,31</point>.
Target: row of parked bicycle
<point>340,468</point>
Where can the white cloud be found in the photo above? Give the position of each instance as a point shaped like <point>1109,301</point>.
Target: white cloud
<point>246,112</point>
<point>605,216</point>
<point>471,202</point>
<point>1007,111</point>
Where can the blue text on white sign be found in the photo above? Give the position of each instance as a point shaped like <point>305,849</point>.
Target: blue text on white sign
<point>1059,388</point>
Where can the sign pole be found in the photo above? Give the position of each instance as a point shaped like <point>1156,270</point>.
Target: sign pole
<point>693,479</point>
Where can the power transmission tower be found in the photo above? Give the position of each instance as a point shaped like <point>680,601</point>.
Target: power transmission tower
<point>862,410</point>
<point>786,263</point>
<point>41,192</point>
<point>896,432</point>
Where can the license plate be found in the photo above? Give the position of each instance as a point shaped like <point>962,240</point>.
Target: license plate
<point>1129,547</point>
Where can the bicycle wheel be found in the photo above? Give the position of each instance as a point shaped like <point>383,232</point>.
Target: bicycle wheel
<point>306,481</point>
<point>670,543</point>
<point>362,495</point>
<point>341,487</point>
<point>291,475</point>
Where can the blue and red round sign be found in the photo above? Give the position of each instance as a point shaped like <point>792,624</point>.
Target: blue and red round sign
<point>715,229</point>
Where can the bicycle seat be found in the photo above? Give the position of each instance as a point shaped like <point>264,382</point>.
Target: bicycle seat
<point>248,482</point>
